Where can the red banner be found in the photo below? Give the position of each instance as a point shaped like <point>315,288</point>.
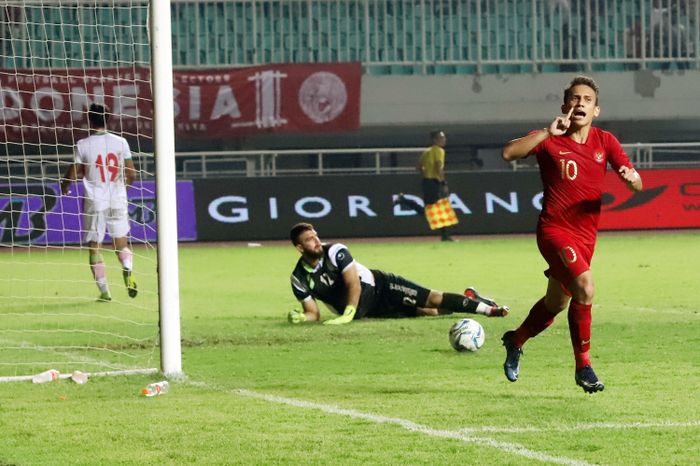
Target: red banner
<point>50,106</point>
<point>670,199</point>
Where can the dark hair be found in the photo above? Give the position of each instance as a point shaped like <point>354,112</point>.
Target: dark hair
<point>98,114</point>
<point>585,80</point>
<point>435,134</point>
<point>297,230</point>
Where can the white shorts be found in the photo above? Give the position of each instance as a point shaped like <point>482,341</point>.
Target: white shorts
<point>115,220</point>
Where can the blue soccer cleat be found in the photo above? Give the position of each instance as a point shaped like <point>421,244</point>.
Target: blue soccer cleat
<point>586,379</point>
<point>512,365</point>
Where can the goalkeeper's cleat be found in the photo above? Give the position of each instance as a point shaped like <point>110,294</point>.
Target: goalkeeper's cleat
<point>512,365</point>
<point>487,306</point>
<point>296,316</point>
<point>473,294</point>
<point>586,379</point>
<point>130,283</point>
<point>105,297</point>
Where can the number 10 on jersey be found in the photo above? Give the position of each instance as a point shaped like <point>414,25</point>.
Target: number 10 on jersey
<point>569,169</point>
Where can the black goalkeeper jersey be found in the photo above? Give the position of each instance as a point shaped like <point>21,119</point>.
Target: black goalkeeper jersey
<point>325,281</point>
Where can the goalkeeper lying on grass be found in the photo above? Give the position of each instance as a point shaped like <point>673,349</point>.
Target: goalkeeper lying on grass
<point>328,273</point>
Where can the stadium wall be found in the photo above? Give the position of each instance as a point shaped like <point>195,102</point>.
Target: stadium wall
<point>486,203</point>
<point>523,98</point>
<point>249,209</point>
<point>489,110</point>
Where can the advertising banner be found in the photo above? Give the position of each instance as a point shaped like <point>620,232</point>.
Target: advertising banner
<point>351,206</point>
<point>38,106</point>
<point>35,214</point>
<point>485,203</point>
<point>244,209</point>
<point>670,199</point>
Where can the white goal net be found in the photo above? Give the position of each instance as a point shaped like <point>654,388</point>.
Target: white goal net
<point>57,57</point>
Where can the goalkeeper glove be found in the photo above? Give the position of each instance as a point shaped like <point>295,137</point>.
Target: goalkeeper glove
<point>296,316</point>
<point>346,318</point>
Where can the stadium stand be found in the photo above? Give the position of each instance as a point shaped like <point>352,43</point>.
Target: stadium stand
<point>388,36</point>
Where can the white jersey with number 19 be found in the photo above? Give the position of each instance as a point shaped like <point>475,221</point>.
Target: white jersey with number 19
<point>102,157</point>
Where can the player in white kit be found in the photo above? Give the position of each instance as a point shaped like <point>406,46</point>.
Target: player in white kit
<point>103,160</point>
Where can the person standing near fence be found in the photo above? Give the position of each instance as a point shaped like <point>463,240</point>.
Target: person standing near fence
<point>431,165</point>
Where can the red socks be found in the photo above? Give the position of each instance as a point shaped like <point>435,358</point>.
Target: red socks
<point>536,321</point>
<point>540,318</point>
<point>580,330</point>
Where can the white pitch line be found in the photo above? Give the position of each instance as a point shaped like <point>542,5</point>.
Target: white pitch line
<point>590,426</point>
<point>689,313</point>
<point>507,447</point>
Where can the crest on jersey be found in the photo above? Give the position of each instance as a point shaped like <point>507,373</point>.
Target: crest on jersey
<point>599,157</point>
<point>326,280</point>
<point>568,255</point>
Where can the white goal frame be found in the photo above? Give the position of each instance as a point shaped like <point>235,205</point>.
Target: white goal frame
<point>166,210</point>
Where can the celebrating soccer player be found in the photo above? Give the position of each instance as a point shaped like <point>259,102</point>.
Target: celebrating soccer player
<point>329,273</point>
<point>104,160</point>
<point>573,157</point>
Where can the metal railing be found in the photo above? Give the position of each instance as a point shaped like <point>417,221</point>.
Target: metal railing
<point>303,162</point>
<point>384,160</point>
<point>664,155</point>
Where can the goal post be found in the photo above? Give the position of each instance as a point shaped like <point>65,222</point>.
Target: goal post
<point>56,58</point>
<point>164,145</point>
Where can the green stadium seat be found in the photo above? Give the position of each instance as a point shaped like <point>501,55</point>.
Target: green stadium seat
<point>550,68</point>
<point>224,34</point>
<point>444,69</point>
<point>378,70</point>
<point>465,69</point>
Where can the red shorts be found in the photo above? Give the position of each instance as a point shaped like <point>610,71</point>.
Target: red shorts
<point>567,256</point>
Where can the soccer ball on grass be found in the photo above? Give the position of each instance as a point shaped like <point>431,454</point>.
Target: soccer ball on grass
<point>467,335</point>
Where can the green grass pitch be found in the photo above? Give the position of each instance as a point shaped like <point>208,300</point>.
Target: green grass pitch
<point>261,391</point>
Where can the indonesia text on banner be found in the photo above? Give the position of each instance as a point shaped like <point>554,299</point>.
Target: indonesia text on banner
<point>219,102</point>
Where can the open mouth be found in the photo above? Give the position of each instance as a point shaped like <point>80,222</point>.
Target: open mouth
<point>579,113</point>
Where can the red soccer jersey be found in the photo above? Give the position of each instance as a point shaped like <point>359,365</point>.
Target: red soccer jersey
<point>572,177</point>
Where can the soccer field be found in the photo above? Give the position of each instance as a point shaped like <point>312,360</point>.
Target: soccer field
<point>262,391</point>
